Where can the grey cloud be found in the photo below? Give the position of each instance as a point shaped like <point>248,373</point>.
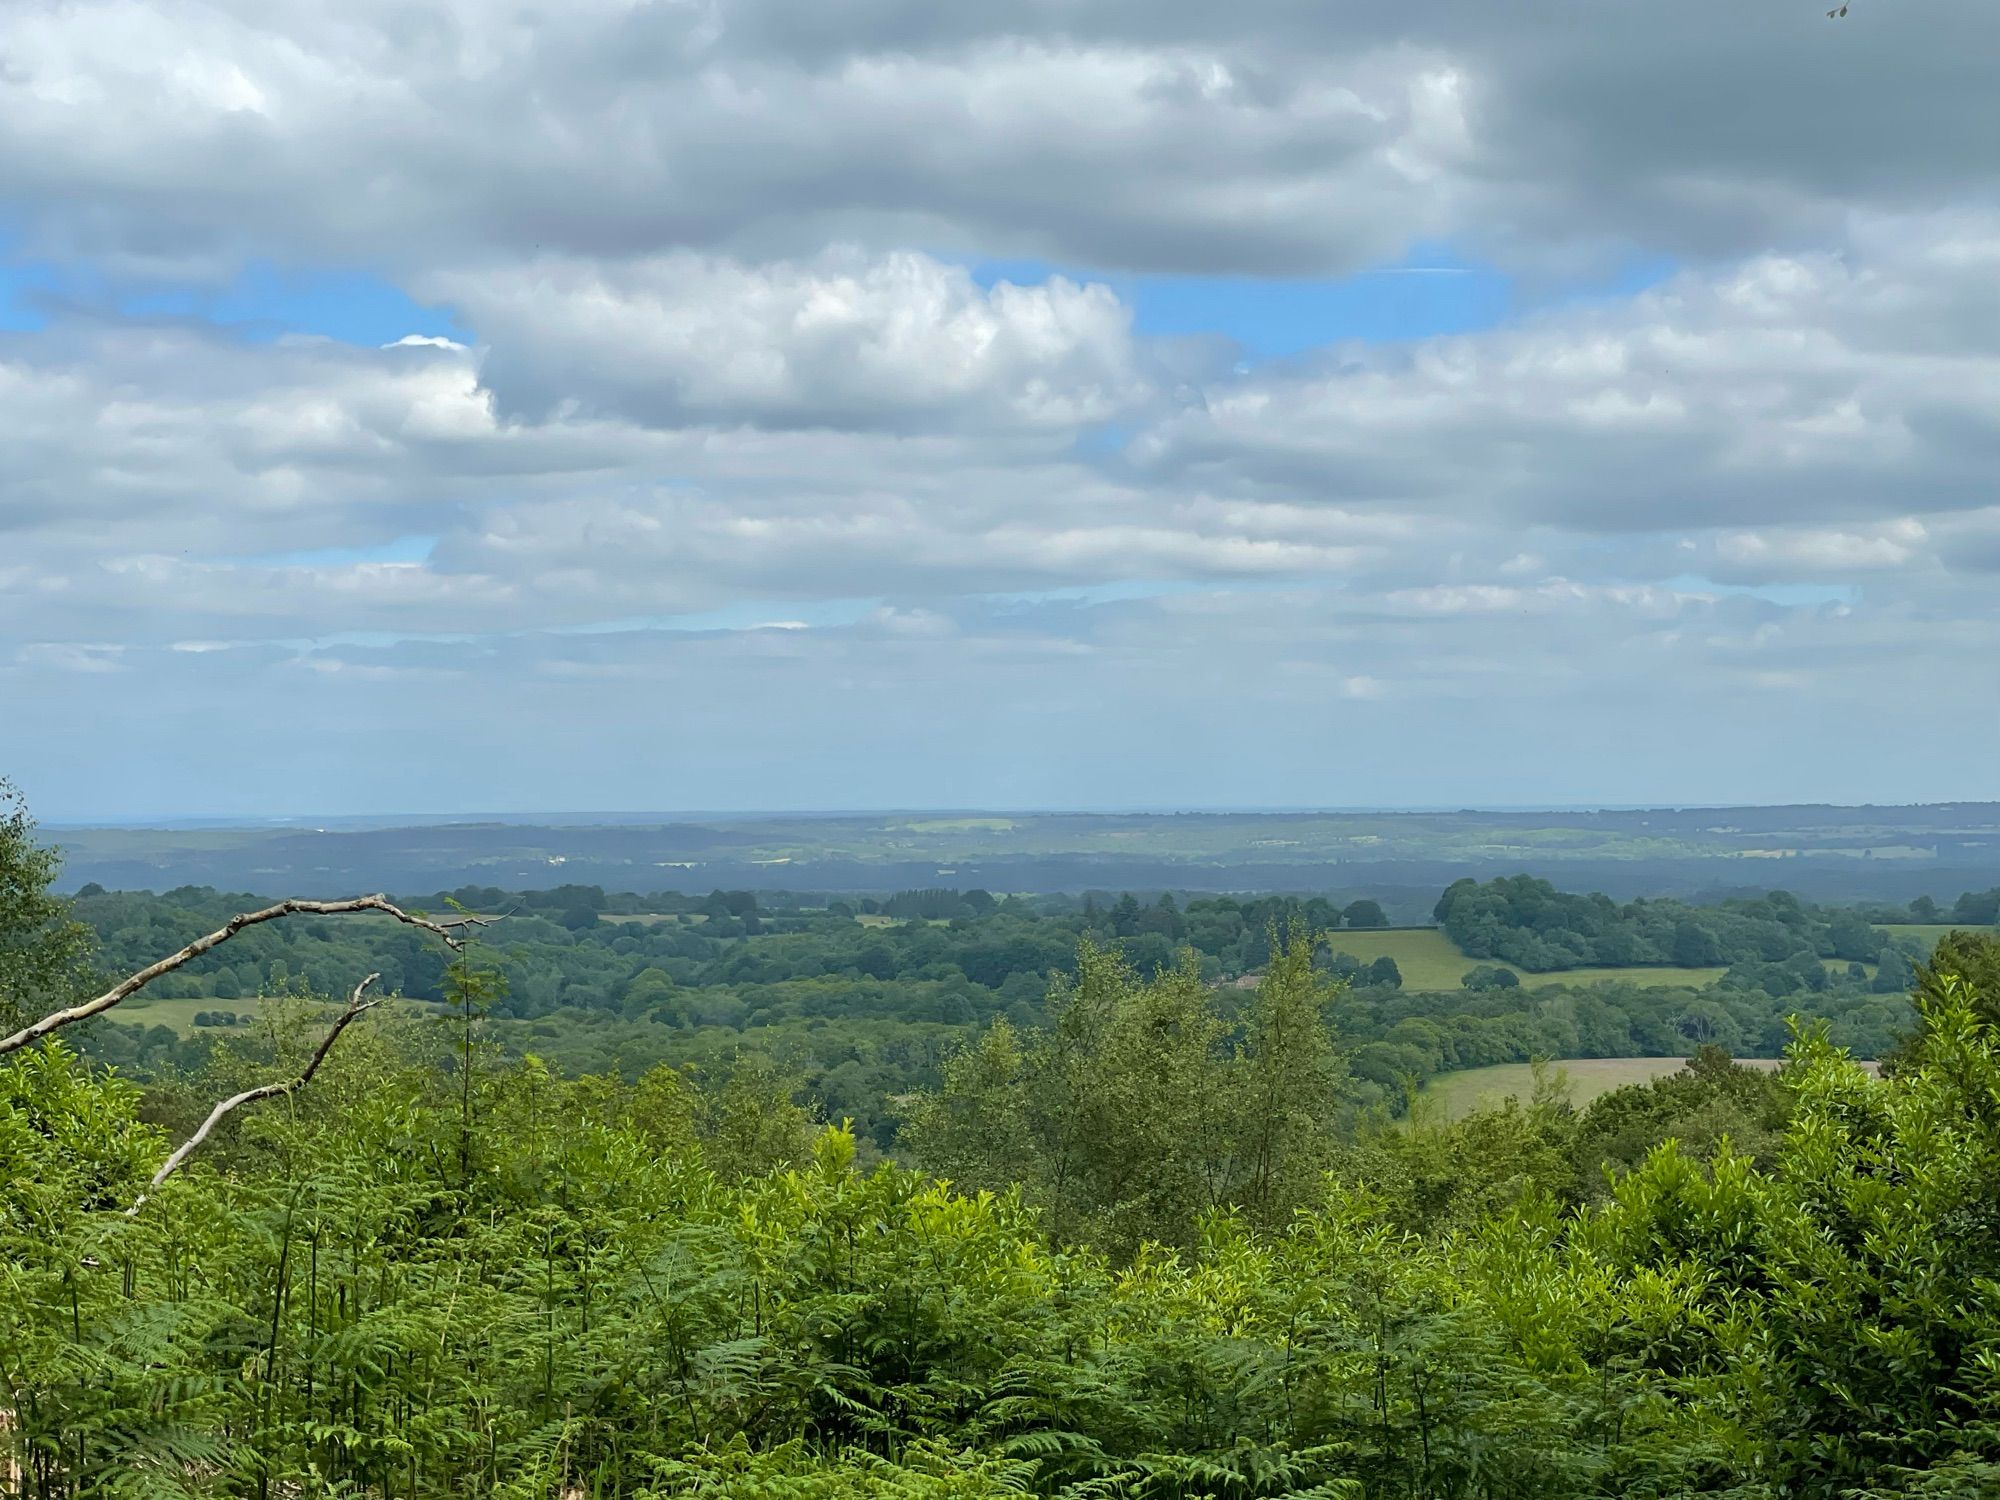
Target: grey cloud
<point>1784,390</point>
<point>133,131</point>
<point>1266,137</point>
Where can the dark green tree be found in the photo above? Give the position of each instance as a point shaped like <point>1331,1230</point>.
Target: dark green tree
<point>44,950</point>
<point>1382,973</point>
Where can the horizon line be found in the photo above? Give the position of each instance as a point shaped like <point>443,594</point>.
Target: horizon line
<point>599,816</point>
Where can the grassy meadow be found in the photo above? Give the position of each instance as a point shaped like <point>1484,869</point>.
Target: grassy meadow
<point>1457,1094</point>
<point>179,1012</point>
<point>1585,1078</point>
<point>1431,961</point>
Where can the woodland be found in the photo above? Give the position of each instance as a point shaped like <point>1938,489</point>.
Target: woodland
<point>861,1001</point>
<point>1134,1218</point>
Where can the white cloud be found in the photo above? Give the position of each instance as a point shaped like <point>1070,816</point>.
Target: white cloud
<point>1819,551</point>
<point>727,362</point>
<point>682,435</point>
<point>1782,389</point>
<point>844,341</point>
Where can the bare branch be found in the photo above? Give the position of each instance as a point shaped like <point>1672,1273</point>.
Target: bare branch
<point>355,1006</point>
<point>448,929</point>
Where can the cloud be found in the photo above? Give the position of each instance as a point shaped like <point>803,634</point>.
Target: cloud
<point>1817,551</point>
<point>900,341</point>
<point>597,132</point>
<point>775,399</point>
<point>1258,138</point>
<point>1783,388</point>
<point>642,440</point>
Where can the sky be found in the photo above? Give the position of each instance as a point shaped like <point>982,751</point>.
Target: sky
<point>477,406</point>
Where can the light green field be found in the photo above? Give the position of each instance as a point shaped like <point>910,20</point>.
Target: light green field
<point>1459,1094</point>
<point>142,1010</point>
<point>1586,1078</point>
<point>179,1013</point>
<point>1431,961</point>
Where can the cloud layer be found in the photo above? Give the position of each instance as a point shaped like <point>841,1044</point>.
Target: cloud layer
<point>808,445</point>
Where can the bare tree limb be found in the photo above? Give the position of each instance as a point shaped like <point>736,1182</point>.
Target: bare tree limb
<point>448,929</point>
<point>355,1006</point>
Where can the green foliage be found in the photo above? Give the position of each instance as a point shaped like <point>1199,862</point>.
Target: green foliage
<point>327,1301</point>
<point>1530,923</point>
<point>864,1010</point>
<point>752,1124</point>
<point>1141,1107</point>
<point>43,949</point>
<point>1977,908</point>
<point>1709,1104</point>
<point>1183,1250</point>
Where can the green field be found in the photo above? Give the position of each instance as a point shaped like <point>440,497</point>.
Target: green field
<point>143,1010</point>
<point>1586,1078</point>
<point>1431,961</point>
<point>179,1013</point>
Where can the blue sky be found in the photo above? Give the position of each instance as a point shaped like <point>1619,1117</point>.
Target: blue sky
<point>1268,317</point>
<point>1279,408</point>
<point>1272,317</point>
<point>258,301</point>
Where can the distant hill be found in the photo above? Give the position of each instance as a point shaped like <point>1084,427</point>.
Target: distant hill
<point>1888,853</point>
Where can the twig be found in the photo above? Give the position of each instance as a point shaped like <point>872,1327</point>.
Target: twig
<point>355,1006</point>
<point>130,986</point>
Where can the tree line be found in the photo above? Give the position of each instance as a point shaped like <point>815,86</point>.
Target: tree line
<point>1528,922</point>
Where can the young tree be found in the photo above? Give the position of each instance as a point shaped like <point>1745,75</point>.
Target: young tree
<point>752,1124</point>
<point>44,951</point>
<point>1291,1085</point>
<point>975,1130</point>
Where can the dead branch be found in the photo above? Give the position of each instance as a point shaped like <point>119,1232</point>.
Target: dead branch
<point>355,1006</point>
<point>448,929</point>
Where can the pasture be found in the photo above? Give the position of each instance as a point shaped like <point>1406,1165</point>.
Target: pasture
<point>1585,1078</point>
<point>1431,961</point>
<point>179,1012</point>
